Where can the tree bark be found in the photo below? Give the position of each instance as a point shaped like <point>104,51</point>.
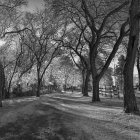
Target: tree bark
<point>86,76</point>
<point>2,82</point>
<point>138,66</point>
<point>139,78</point>
<point>95,76</point>
<point>38,80</point>
<point>38,88</point>
<point>130,105</point>
<point>0,96</point>
<point>95,97</point>
<point>10,81</point>
<point>4,93</point>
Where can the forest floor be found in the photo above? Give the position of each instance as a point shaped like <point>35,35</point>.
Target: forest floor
<point>67,117</point>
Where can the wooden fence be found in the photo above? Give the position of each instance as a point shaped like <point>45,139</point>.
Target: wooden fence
<point>109,91</point>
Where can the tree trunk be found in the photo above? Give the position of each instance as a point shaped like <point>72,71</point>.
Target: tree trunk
<point>95,84</point>
<point>139,78</point>
<point>95,80</point>
<point>138,66</point>
<point>86,76</point>
<point>38,80</point>
<point>3,86</point>
<point>38,88</point>
<point>65,87</point>
<point>9,86</point>
<point>65,84</point>
<point>7,95</point>
<point>130,105</point>
<point>0,96</point>
<point>8,91</point>
<point>95,97</point>
<point>2,82</point>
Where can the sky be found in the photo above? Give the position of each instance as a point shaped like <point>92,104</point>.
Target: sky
<point>33,5</point>
<point>2,42</point>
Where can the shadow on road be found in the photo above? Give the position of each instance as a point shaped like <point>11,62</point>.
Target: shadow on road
<point>47,123</point>
<point>66,119</point>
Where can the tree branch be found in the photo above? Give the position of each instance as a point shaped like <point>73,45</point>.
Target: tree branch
<point>115,49</point>
<point>91,23</point>
<point>110,14</point>
<point>14,32</point>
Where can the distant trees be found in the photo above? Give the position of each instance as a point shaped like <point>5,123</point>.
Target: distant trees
<point>64,76</point>
<point>66,65</point>
<point>119,72</point>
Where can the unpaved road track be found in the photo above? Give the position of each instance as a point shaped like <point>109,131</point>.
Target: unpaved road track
<point>65,118</point>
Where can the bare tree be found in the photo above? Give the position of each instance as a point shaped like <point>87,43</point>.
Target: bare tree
<point>7,10</point>
<point>94,43</point>
<point>99,20</point>
<point>38,39</point>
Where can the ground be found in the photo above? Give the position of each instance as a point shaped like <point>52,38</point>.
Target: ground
<point>67,117</point>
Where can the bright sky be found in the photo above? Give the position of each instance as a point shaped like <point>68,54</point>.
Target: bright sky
<point>2,42</point>
<point>114,63</point>
<point>33,5</point>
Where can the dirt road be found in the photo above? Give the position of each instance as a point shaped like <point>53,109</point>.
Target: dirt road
<point>66,118</point>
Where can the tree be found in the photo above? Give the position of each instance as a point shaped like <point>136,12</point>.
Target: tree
<point>94,43</point>
<point>2,82</point>
<point>62,75</point>
<point>38,40</point>
<point>75,44</point>
<point>100,24</point>
<point>130,105</point>
<point>82,65</point>
<point>16,65</point>
<point>138,65</point>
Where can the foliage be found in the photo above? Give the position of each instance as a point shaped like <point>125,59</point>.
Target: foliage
<point>98,29</point>
<point>59,73</point>
<point>118,73</point>
<point>120,65</point>
<point>107,79</point>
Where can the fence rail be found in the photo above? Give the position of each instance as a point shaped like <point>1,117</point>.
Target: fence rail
<point>109,91</point>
